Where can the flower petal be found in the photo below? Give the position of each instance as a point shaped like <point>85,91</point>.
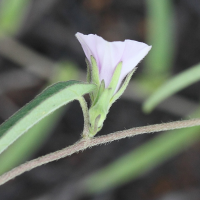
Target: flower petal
<point>107,54</point>
<point>133,53</point>
<point>88,43</point>
<point>110,54</point>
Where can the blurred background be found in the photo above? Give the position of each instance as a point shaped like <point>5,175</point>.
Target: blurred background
<point>38,48</point>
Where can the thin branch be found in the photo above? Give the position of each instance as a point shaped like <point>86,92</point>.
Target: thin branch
<point>85,143</point>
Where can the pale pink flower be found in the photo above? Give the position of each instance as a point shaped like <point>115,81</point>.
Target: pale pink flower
<point>109,54</point>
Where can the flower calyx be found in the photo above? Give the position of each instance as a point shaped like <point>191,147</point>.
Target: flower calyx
<point>103,98</point>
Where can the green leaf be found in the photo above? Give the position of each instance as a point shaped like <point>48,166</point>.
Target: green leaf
<point>160,35</point>
<point>45,103</point>
<point>22,149</point>
<point>11,14</point>
<point>27,144</point>
<point>174,85</point>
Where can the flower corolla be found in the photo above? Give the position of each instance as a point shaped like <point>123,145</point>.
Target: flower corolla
<point>109,54</point>
<point>110,67</point>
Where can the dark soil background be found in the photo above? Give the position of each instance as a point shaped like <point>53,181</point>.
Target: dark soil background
<point>49,29</point>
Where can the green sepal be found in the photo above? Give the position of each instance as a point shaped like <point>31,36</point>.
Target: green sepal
<point>94,71</point>
<point>115,79</point>
<point>89,68</point>
<point>94,75</point>
<point>100,108</point>
<point>101,88</point>
<point>95,129</point>
<point>122,88</point>
<point>100,91</point>
<point>101,105</point>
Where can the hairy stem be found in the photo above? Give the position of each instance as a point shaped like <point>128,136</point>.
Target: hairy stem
<point>85,143</point>
<point>84,107</point>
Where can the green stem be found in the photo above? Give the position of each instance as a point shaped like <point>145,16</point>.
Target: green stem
<point>84,107</point>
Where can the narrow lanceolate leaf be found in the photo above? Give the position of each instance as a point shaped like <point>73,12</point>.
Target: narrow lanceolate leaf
<point>174,85</point>
<point>160,18</point>
<point>11,14</point>
<point>45,103</point>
